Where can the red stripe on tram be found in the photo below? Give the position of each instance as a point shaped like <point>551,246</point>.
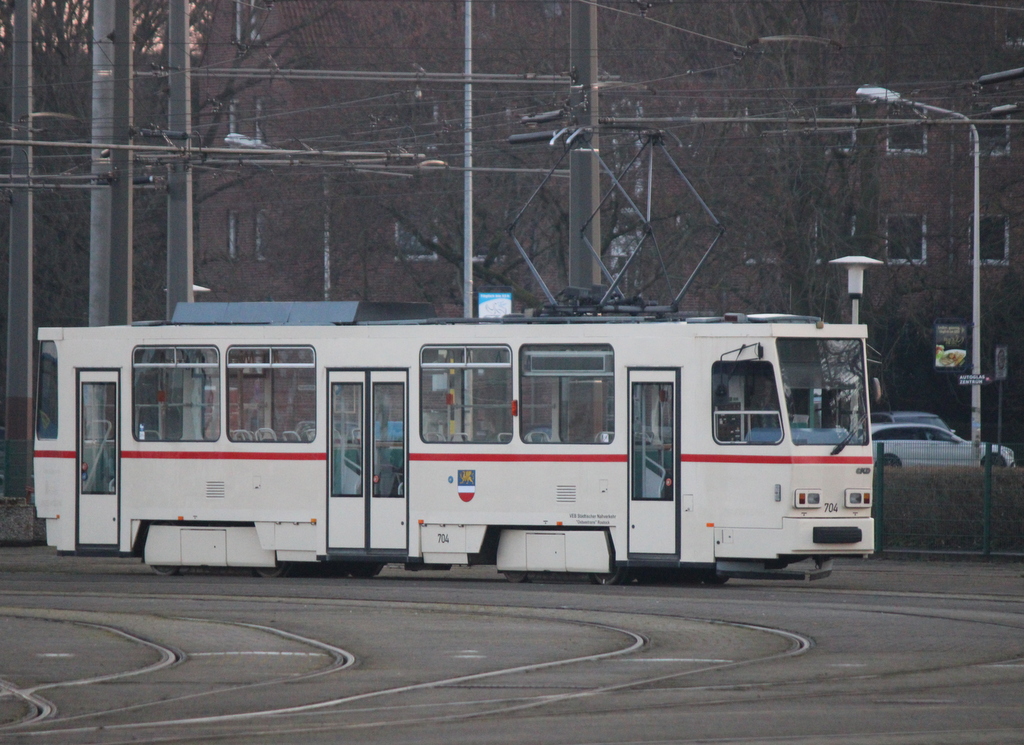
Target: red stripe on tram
<point>518,458</point>
<point>217,455</point>
<point>788,460</point>
<point>54,454</point>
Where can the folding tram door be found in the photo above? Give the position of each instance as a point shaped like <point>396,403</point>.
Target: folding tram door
<point>653,464</point>
<point>98,460</point>
<point>367,511</point>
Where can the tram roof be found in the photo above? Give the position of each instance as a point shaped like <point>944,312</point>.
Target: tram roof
<point>331,313</point>
<point>335,313</point>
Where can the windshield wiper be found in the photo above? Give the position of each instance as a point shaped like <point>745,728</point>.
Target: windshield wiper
<point>846,440</point>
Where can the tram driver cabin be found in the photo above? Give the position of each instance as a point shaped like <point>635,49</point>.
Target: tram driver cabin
<point>263,434</point>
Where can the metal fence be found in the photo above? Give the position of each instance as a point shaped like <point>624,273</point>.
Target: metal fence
<point>954,505</point>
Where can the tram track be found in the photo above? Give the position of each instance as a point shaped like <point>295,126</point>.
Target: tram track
<point>400,711</point>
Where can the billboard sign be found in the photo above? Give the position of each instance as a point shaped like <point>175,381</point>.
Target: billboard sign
<point>952,339</point>
<point>494,303</point>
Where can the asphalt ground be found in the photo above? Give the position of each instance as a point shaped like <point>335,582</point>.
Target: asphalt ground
<point>886,650</point>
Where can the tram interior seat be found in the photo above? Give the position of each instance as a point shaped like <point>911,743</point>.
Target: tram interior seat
<point>504,437</point>
<point>604,437</point>
<point>241,435</point>
<point>432,437</point>
<point>266,434</point>
<point>537,435</point>
<point>306,430</point>
<point>290,435</point>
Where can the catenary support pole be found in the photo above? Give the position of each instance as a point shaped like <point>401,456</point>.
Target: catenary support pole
<point>102,131</point>
<point>20,346</point>
<point>584,169</point>
<point>121,218</point>
<point>467,173</point>
<point>179,177</point>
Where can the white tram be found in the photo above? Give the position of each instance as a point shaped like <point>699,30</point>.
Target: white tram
<point>259,435</point>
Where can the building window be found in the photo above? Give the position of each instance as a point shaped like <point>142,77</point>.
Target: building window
<point>466,394</point>
<point>232,234</point>
<point>176,394</point>
<point>994,139</point>
<point>257,17</point>
<point>259,120</point>
<point>568,393</point>
<point>261,235</point>
<point>745,403</point>
<point>907,138</point>
<point>994,245</point>
<point>271,394</point>
<point>905,239</point>
<point>842,137</point>
<point>240,6</point>
<point>410,247</point>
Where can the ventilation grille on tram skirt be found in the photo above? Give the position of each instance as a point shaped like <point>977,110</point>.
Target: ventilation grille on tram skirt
<point>565,493</point>
<point>215,490</point>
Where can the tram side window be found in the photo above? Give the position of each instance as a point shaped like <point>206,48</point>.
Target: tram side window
<point>46,392</point>
<point>568,393</point>
<point>745,403</point>
<point>176,393</point>
<point>466,394</point>
<point>271,394</point>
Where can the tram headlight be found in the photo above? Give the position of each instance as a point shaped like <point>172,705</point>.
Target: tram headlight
<point>858,498</point>
<point>807,499</point>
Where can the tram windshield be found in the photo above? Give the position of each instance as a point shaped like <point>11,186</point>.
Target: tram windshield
<point>823,380</point>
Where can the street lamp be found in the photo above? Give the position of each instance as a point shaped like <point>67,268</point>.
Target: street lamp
<point>855,266</point>
<point>884,95</point>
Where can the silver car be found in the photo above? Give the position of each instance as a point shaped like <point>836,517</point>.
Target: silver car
<point>928,445</point>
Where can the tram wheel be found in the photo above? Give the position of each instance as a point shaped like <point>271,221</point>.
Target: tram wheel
<point>619,576</point>
<point>364,571</point>
<point>891,461</point>
<point>517,577</point>
<point>711,577</point>
<point>280,570</point>
<point>165,571</point>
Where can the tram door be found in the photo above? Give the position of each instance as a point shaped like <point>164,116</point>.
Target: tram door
<point>98,458</point>
<point>367,500</point>
<point>653,463</point>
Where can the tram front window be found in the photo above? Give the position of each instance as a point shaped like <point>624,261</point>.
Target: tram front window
<point>824,388</point>
<point>745,403</point>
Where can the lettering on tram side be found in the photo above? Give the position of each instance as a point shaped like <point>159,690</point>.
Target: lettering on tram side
<point>583,518</point>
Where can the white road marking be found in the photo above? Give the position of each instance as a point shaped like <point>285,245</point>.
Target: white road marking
<point>670,659</point>
<point>267,654</point>
<point>55,654</point>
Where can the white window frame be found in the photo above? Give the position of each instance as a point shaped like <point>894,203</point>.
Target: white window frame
<point>923,150</point>
<point>261,235</point>
<point>924,240</point>
<point>1005,261</point>
<point>233,234</point>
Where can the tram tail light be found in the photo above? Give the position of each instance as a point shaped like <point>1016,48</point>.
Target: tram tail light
<point>807,499</point>
<point>858,498</point>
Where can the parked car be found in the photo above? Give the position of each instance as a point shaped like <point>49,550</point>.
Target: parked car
<point>909,417</point>
<point>929,445</point>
